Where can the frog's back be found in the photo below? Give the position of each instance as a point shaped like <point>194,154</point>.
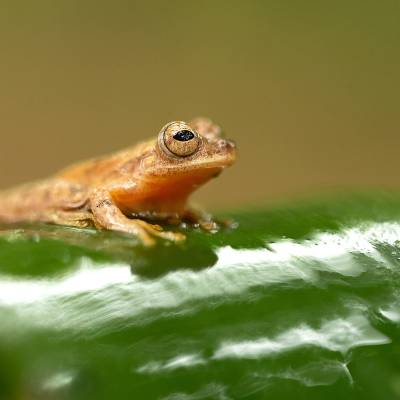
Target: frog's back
<point>97,171</point>
<point>69,189</point>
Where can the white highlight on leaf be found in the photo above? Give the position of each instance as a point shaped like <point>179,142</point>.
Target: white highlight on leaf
<point>58,381</point>
<point>320,373</point>
<point>111,293</point>
<point>88,277</point>
<point>392,315</point>
<point>336,335</point>
<point>210,391</point>
<point>181,361</point>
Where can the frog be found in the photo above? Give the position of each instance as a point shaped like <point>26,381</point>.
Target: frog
<point>133,190</point>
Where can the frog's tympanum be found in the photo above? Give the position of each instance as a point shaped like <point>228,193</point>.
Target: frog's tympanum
<point>130,190</point>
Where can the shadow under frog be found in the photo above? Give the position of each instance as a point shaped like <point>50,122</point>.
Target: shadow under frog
<point>35,249</point>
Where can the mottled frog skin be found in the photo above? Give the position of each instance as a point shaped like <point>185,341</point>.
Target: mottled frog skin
<point>130,190</point>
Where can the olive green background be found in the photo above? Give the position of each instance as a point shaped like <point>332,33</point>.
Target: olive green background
<point>309,90</point>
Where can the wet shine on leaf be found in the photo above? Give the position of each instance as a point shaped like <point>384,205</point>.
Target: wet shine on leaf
<point>300,301</point>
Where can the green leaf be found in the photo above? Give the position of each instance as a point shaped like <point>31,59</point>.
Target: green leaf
<point>298,301</point>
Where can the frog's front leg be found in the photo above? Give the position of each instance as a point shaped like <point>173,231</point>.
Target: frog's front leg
<point>107,215</point>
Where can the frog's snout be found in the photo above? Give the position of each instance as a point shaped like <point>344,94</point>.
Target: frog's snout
<point>227,149</point>
<point>231,144</point>
<point>226,144</point>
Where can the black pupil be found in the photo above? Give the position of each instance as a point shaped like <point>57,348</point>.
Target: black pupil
<point>184,136</point>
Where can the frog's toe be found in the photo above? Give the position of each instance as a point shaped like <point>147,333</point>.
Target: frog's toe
<point>209,226</point>
<point>157,227</point>
<point>146,239</point>
<point>172,236</point>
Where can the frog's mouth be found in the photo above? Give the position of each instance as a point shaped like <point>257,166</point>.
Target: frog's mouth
<point>220,163</point>
<point>188,167</point>
<point>220,154</point>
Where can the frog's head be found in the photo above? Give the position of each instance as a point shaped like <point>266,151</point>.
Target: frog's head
<point>182,158</point>
<point>194,149</point>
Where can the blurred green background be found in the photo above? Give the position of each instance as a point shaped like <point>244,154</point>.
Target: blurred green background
<point>309,90</point>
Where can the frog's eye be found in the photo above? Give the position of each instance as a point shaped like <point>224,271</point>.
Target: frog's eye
<point>179,139</point>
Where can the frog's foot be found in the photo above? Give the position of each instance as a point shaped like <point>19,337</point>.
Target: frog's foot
<point>156,231</point>
<point>144,231</point>
<point>198,218</point>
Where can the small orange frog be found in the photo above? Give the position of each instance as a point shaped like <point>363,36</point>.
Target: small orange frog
<point>128,190</point>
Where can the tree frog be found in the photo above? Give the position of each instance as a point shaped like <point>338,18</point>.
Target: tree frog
<point>132,189</point>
